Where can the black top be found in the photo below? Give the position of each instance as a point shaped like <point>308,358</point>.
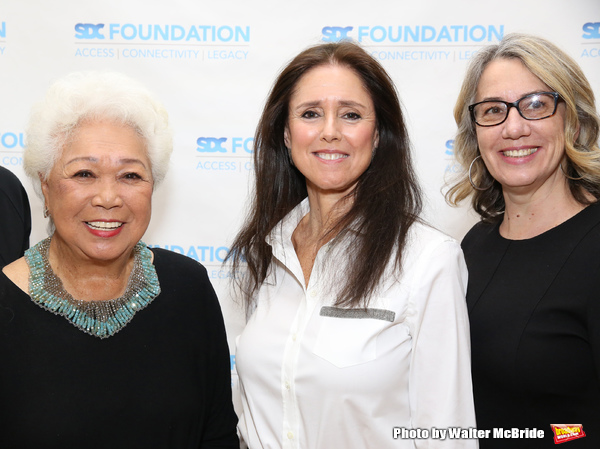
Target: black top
<point>534,307</point>
<point>15,218</point>
<point>163,381</point>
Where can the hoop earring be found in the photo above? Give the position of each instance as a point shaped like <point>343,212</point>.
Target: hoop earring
<point>567,176</point>
<point>46,212</point>
<point>471,178</point>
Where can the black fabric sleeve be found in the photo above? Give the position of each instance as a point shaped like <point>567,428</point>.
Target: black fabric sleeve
<point>593,324</point>
<point>185,280</point>
<point>220,429</point>
<point>15,218</point>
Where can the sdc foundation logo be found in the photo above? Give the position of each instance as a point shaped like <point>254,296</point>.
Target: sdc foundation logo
<point>567,432</point>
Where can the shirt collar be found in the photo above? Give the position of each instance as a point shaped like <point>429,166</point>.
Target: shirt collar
<point>280,238</point>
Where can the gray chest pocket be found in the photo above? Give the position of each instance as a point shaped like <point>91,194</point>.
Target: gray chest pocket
<point>348,337</point>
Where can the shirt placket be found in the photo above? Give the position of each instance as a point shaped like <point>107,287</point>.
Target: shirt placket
<point>291,413</point>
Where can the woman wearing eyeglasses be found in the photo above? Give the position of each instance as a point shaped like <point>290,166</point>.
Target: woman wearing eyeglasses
<point>528,142</point>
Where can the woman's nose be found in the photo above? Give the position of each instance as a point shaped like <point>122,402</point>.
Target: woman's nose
<point>107,195</point>
<point>331,130</point>
<point>515,126</point>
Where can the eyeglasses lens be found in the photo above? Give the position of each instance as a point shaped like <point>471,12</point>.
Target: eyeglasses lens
<point>532,107</point>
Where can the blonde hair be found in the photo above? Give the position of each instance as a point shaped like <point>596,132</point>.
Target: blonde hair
<point>563,75</point>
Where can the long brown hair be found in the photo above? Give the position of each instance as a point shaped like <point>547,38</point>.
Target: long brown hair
<point>385,202</point>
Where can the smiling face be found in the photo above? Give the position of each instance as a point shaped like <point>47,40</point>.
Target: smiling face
<point>331,129</point>
<point>99,192</point>
<point>523,155</point>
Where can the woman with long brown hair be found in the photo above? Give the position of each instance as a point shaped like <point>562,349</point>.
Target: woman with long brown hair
<point>357,319</point>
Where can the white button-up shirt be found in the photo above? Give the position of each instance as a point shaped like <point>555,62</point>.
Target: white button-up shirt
<point>315,376</point>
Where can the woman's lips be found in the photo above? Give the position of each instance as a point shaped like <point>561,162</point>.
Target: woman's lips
<point>105,229</point>
<point>522,152</point>
<point>330,156</point>
<point>104,225</point>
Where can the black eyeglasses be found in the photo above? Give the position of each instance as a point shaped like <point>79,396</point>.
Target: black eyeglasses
<point>536,106</point>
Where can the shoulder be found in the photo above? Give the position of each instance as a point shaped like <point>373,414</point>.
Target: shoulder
<point>13,198</point>
<point>8,178</point>
<point>187,297</point>
<point>424,230</point>
<point>184,279</point>
<point>584,232</point>
<point>173,264</point>
<point>18,273</point>
<point>165,255</point>
<point>424,239</point>
<point>180,273</point>
<point>433,265</point>
<point>430,250</point>
<point>592,214</point>
<point>478,233</point>
<point>10,184</point>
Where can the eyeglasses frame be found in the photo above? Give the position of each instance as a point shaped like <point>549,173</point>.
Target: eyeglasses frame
<point>515,104</point>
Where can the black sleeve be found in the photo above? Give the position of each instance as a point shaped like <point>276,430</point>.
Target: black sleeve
<point>15,218</point>
<point>220,429</point>
<point>193,296</point>
<point>593,323</point>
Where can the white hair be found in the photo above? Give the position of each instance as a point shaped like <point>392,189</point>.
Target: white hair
<point>84,97</point>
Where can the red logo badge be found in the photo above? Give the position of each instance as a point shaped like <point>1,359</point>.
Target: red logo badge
<point>567,432</point>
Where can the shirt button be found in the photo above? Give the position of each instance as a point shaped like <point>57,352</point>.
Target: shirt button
<point>312,293</point>
<point>290,436</point>
<point>287,385</point>
<point>294,337</point>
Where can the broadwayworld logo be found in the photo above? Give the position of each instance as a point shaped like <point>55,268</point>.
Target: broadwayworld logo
<point>567,432</point>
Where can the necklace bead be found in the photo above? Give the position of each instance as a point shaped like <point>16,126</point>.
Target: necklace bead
<point>101,319</point>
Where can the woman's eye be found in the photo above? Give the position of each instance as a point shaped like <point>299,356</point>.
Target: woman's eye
<point>132,176</point>
<point>493,110</point>
<point>310,114</point>
<point>84,174</point>
<point>352,116</point>
<point>536,104</point>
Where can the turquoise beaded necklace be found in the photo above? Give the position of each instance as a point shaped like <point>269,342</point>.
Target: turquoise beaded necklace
<point>101,319</point>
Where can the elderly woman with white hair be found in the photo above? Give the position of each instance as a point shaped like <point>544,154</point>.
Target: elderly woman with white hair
<point>105,342</point>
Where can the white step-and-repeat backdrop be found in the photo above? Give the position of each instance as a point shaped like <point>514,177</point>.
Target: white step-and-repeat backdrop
<point>213,62</point>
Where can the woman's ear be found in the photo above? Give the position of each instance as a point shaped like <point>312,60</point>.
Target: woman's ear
<point>44,185</point>
<point>286,137</point>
